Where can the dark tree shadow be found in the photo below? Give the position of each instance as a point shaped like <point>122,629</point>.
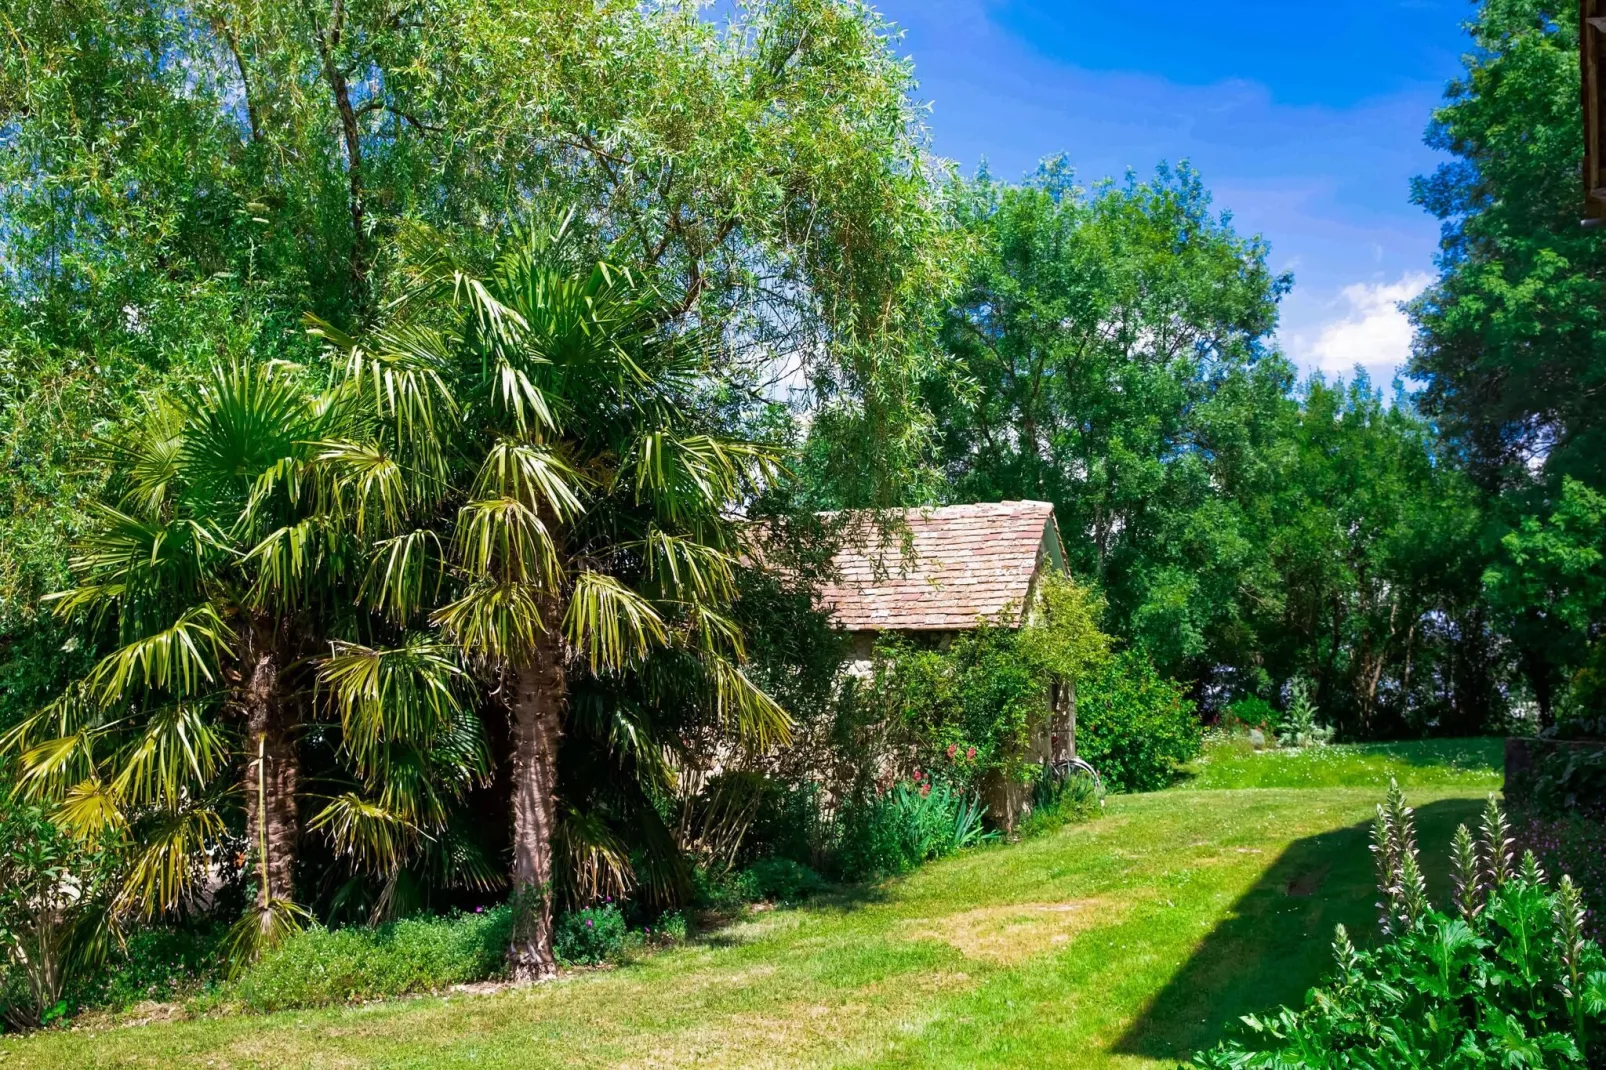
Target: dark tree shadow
<point>1276,942</point>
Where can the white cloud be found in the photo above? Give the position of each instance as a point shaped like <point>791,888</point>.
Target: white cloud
<point>1370,330</point>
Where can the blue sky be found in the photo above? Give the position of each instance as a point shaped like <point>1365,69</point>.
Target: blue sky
<point>1306,121</point>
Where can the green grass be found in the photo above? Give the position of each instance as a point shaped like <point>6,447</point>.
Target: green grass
<point>1459,764</point>
<point>1125,942</point>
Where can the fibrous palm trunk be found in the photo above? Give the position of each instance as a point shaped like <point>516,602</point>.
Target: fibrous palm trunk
<point>537,727</point>
<point>272,771</point>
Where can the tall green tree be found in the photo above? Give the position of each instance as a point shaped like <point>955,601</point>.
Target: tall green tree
<point>1112,351</point>
<point>184,184</point>
<point>195,692</point>
<point>582,490</point>
<point>1510,338</point>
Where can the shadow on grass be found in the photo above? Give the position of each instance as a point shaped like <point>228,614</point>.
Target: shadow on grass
<point>1275,943</point>
<point>713,926</point>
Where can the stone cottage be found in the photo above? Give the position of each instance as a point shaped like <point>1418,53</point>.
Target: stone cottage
<point>960,566</point>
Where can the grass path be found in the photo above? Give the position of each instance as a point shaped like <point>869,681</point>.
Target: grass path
<point>1125,942</point>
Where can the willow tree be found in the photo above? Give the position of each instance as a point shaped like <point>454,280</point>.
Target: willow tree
<point>191,184</point>
<point>583,524</point>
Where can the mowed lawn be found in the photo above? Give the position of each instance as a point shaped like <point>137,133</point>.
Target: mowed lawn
<point>1125,942</point>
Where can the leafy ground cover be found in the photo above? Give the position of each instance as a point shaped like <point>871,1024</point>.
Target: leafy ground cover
<point>1451,764</point>
<point>1125,942</point>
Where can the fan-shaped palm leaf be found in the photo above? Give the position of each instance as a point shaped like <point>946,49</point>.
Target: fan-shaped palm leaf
<point>368,833</point>
<point>610,625</point>
<point>179,659</point>
<point>167,865</point>
<point>179,753</point>
<point>499,621</point>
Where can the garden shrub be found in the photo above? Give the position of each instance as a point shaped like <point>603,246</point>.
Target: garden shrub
<point>670,928</point>
<point>1505,978</point>
<point>1060,801</point>
<point>915,822</point>
<point>781,880</point>
<point>321,967</point>
<point>1134,726</point>
<point>152,964</point>
<point>52,890</point>
<point>972,708</point>
<point>589,936</point>
<point>1247,713</point>
<point>1571,780</point>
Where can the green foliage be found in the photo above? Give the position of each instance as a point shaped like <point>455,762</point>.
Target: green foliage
<point>1060,801</point>
<point>54,894</point>
<point>915,822</point>
<point>781,880</point>
<point>1246,530</point>
<point>1250,712</point>
<point>1134,726</point>
<point>1298,726</point>
<point>161,964</point>
<point>1571,780</point>
<point>1510,341</point>
<point>590,936</point>
<point>971,708</point>
<point>1507,978</point>
<point>1549,587</point>
<point>320,967</point>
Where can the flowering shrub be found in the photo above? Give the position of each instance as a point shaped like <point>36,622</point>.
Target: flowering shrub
<point>1506,977</point>
<point>590,936</point>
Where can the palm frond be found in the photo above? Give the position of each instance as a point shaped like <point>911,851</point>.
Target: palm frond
<point>148,457</point>
<point>505,539</point>
<point>609,624</point>
<point>599,862</point>
<point>288,558</point>
<point>261,929</point>
<point>177,756</point>
<point>179,659</point>
<point>513,392</point>
<point>499,621</point>
<point>172,856</point>
<point>398,578</point>
<point>368,484</point>
<point>532,474</point>
<point>371,836</point>
<point>48,768</point>
<point>687,568</point>
<point>410,693</point>
<point>89,811</point>
<point>744,709</point>
<point>715,633</point>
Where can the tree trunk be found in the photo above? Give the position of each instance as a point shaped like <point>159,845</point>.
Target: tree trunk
<point>1062,739</point>
<point>537,727</point>
<point>271,774</point>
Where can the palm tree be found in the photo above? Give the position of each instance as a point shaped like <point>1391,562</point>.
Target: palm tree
<point>222,573</point>
<point>582,535</point>
<point>176,575</point>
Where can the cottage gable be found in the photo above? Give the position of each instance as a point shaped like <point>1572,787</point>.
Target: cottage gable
<point>969,562</point>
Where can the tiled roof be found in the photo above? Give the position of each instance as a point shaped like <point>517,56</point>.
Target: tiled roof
<point>969,562</point>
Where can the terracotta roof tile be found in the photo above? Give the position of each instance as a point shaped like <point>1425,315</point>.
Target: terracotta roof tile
<point>968,562</point>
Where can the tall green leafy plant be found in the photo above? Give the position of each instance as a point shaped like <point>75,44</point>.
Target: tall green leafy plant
<point>566,490</point>
<point>1505,977</point>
